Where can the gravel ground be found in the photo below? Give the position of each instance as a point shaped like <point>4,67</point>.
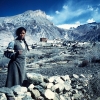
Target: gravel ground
<point>63,70</point>
<point>59,70</point>
<point>51,69</point>
<point>3,77</point>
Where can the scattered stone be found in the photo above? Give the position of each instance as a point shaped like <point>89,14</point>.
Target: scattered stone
<point>7,91</point>
<point>3,96</point>
<point>34,78</point>
<point>68,87</point>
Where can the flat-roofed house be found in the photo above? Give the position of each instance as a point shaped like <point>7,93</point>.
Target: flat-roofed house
<point>43,39</point>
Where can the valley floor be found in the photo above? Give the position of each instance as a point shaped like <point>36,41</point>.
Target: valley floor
<point>57,70</point>
<point>56,61</point>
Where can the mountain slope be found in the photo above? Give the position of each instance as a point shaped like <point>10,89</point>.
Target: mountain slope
<point>36,24</point>
<point>86,32</point>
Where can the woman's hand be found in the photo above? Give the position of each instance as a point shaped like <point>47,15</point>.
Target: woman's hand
<point>20,51</point>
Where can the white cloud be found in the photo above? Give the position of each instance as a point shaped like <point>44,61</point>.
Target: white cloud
<point>97,9</point>
<point>68,14</point>
<point>96,16</point>
<point>65,7</point>
<point>68,26</point>
<point>90,20</point>
<point>77,23</point>
<point>49,17</point>
<point>57,12</point>
<point>90,8</point>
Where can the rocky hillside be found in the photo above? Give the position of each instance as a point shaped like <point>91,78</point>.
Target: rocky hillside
<point>35,22</point>
<point>38,26</point>
<point>86,32</point>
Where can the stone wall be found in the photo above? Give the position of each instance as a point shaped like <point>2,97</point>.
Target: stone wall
<point>39,87</point>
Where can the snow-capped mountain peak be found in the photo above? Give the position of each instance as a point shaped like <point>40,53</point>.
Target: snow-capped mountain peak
<point>38,26</point>
<point>35,22</point>
<point>31,13</point>
<point>28,15</point>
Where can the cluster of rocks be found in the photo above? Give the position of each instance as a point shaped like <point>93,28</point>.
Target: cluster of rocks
<point>39,87</point>
<point>71,64</point>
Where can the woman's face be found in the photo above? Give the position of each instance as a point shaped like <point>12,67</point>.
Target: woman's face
<point>22,35</point>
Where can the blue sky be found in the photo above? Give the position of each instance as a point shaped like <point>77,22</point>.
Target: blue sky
<point>58,11</point>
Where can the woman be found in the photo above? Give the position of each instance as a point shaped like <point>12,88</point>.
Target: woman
<point>16,66</point>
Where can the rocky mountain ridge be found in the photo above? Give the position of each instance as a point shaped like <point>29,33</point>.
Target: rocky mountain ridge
<point>86,32</point>
<point>35,22</point>
<point>38,26</point>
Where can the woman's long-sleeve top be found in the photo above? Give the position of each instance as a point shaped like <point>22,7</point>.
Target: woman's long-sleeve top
<point>16,66</point>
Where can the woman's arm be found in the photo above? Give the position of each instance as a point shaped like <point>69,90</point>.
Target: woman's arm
<point>9,52</point>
